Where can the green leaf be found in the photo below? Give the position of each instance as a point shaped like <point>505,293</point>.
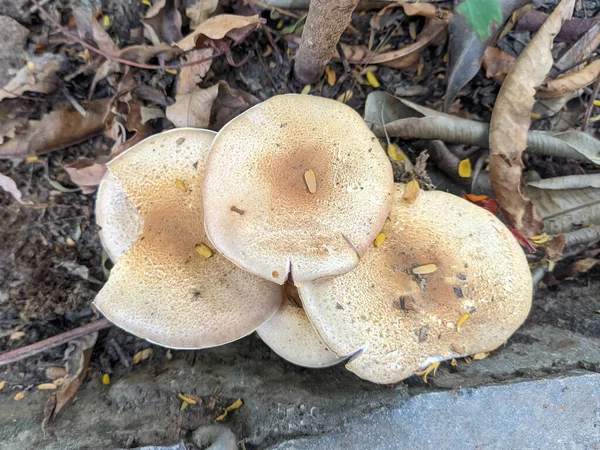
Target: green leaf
<point>481,16</point>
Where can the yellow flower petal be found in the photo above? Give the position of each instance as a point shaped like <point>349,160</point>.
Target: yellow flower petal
<point>203,250</point>
<point>461,321</point>
<point>372,79</point>
<point>464,168</point>
<point>379,240</point>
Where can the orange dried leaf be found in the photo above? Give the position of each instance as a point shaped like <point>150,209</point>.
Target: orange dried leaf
<point>311,181</point>
<point>20,395</point>
<point>187,399</point>
<point>331,76</point>
<point>47,387</point>
<point>412,191</point>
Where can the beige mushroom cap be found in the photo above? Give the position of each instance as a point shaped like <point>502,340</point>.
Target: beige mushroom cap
<point>260,212</point>
<point>118,218</point>
<point>162,289</point>
<point>290,334</point>
<point>401,321</point>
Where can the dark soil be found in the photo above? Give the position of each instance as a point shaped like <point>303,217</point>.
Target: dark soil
<point>45,248</point>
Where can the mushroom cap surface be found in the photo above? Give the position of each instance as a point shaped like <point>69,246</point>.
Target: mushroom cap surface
<point>296,187</point>
<point>118,218</point>
<point>398,322</point>
<point>162,289</point>
<point>290,334</point>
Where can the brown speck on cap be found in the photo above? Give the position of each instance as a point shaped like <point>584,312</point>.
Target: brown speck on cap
<point>160,289</point>
<point>371,320</point>
<point>320,231</point>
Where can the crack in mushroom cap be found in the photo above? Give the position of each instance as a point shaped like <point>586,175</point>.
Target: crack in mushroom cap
<point>290,334</point>
<point>400,322</point>
<point>260,212</point>
<point>162,290</point>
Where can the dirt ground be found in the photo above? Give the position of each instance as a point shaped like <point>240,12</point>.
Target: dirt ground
<point>52,266</point>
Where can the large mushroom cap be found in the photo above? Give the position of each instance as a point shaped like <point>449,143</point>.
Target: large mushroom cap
<point>163,289</point>
<point>290,334</point>
<point>449,280</point>
<point>118,218</point>
<point>297,185</point>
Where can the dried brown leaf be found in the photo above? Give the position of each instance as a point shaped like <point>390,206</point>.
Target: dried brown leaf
<point>87,173</point>
<point>163,22</point>
<point>511,120</point>
<point>497,63</point>
<point>41,79</point>
<point>61,128</point>
<point>201,11</point>
<point>219,27</point>
<point>570,82</point>
<point>190,76</point>
<point>9,185</point>
<point>78,355</point>
<point>584,265</point>
<point>212,107</point>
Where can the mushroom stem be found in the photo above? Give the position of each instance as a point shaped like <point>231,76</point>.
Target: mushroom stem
<point>326,21</point>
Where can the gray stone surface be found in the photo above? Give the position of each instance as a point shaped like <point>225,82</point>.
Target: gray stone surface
<point>557,413</point>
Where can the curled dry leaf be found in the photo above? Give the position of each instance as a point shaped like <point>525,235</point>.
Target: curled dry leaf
<point>58,129</point>
<point>404,119</point>
<point>219,27</point>
<point>568,182</point>
<point>163,22</point>
<point>469,40</point>
<point>570,82</point>
<point>511,119</point>
<point>87,173</point>
<point>9,185</point>
<point>190,76</point>
<point>201,11</point>
<point>562,209</point>
<point>580,50</point>
<point>209,108</point>
<point>497,63</point>
<point>78,358</point>
<point>42,79</point>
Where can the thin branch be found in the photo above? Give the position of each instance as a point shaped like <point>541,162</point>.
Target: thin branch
<point>55,341</point>
<point>590,106</point>
<point>127,62</point>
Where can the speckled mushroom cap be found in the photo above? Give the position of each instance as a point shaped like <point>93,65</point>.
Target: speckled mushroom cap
<point>290,334</point>
<point>118,218</point>
<point>263,165</point>
<point>400,322</point>
<point>162,289</point>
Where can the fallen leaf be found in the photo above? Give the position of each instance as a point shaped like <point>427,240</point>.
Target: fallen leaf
<point>2,384</point>
<point>16,335</point>
<point>162,22</point>
<point>568,182</point>
<point>480,356</point>
<point>497,63</point>
<point>9,185</point>
<point>461,321</point>
<point>562,209</point>
<point>580,50</point>
<point>42,79</point>
<point>570,82</point>
<point>47,387</point>
<point>58,129</point>
<point>106,379</point>
<point>432,368</point>
<point>78,355</point>
<point>209,108</point>
<point>87,173</point>
<point>511,120</point>
<point>20,395</point>
<point>200,12</point>
<point>396,117</point>
<point>219,27</point>
<point>471,31</point>
<point>584,265</point>
<point>425,269</point>
<point>190,76</point>
<point>151,113</point>
<point>412,191</point>
<point>235,405</point>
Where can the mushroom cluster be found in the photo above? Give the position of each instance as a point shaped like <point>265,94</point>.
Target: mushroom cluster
<point>288,222</point>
